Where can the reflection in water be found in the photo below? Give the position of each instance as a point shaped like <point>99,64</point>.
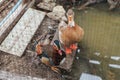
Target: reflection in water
<point>115,58</point>
<point>114,66</point>
<point>101,41</point>
<point>94,62</point>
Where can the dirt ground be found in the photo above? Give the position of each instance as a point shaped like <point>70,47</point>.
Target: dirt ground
<point>25,64</point>
<point>4,12</point>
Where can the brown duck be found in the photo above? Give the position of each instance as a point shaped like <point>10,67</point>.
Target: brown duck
<point>71,33</point>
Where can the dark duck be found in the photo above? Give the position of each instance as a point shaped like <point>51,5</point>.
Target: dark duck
<point>51,56</point>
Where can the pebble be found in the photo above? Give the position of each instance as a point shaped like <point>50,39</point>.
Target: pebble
<point>97,53</point>
<point>78,50</point>
<point>114,66</point>
<point>94,62</point>
<point>50,27</point>
<point>77,58</point>
<point>115,58</point>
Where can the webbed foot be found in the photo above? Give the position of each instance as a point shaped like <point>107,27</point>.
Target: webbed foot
<point>56,69</point>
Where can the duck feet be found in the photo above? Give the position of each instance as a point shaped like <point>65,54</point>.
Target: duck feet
<point>68,50</point>
<point>73,46</point>
<point>56,69</point>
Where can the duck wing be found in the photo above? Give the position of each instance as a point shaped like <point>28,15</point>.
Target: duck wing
<point>80,33</point>
<point>49,50</point>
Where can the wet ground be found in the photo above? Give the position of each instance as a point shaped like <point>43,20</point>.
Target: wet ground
<point>100,43</point>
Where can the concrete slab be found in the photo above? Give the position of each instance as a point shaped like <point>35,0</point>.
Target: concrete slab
<point>86,76</point>
<point>12,76</point>
<point>18,39</point>
<point>5,24</point>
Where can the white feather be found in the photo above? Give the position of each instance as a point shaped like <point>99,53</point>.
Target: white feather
<point>62,61</point>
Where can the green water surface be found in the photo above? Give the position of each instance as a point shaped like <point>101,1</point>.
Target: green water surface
<point>102,35</point>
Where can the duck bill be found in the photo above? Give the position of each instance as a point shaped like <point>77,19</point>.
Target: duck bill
<point>71,22</point>
<point>60,52</point>
<point>69,18</point>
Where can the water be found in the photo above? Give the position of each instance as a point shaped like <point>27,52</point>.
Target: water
<point>101,41</point>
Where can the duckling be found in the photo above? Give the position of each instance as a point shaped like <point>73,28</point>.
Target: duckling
<point>71,33</point>
<point>51,56</point>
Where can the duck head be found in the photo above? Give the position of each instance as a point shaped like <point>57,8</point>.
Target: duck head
<point>39,49</point>
<point>70,16</point>
<point>56,46</point>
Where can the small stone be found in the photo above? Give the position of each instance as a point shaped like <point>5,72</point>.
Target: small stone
<point>12,4</point>
<point>58,13</point>
<point>77,58</point>
<point>46,6</point>
<point>50,27</point>
<point>97,53</point>
<point>46,42</point>
<point>4,13</point>
<point>59,9</point>
<point>78,50</point>
<point>9,6</point>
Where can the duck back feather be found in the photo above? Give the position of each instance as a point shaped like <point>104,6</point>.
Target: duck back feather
<point>71,35</point>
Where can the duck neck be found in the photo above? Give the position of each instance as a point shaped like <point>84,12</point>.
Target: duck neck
<point>71,22</point>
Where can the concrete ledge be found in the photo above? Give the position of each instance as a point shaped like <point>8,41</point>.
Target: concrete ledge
<point>17,40</point>
<point>5,27</point>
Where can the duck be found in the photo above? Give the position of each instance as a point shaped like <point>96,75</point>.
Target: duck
<point>51,55</point>
<point>70,33</point>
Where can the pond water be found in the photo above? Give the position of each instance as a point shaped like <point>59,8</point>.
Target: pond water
<point>100,48</point>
